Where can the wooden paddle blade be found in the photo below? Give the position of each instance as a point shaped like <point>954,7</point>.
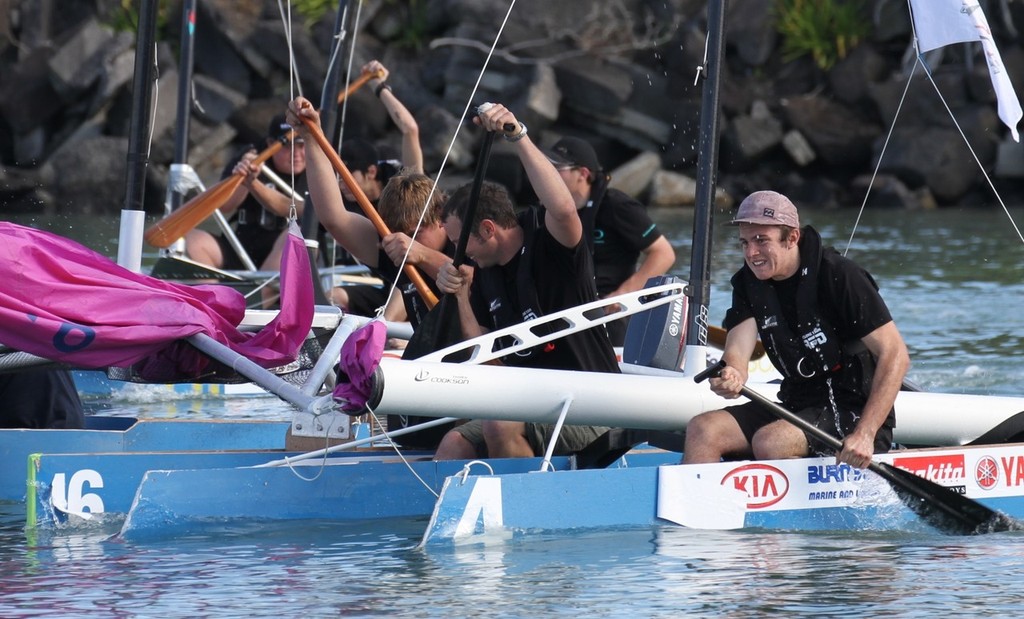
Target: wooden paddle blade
<point>716,337</point>
<point>948,511</point>
<point>189,215</point>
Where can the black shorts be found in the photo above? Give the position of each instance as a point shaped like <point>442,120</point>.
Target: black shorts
<point>751,417</point>
<point>233,262</point>
<point>366,299</point>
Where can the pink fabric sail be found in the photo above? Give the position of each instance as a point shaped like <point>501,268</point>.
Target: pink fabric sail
<point>65,302</point>
<point>360,356</point>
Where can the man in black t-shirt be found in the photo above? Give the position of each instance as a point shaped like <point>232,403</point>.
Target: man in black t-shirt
<point>527,265</point>
<point>825,328</point>
<point>617,228</point>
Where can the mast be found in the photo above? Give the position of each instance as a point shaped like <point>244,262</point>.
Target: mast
<point>707,165</point>
<point>129,247</point>
<point>181,134</point>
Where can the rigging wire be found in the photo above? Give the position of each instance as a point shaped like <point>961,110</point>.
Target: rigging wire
<point>451,145</point>
<point>921,61</point>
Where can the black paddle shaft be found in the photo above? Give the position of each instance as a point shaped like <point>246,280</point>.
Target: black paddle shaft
<point>440,327</point>
<point>944,509</point>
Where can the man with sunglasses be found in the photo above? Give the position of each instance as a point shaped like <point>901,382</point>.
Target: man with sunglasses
<point>257,209</point>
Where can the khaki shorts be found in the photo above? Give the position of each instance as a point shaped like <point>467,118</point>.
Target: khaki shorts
<point>570,440</point>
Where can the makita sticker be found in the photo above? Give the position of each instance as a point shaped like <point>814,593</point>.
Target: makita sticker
<point>947,470</point>
<point>986,473</point>
<point>765,485</point>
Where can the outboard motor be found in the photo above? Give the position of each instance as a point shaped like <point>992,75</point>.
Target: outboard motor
<point>656,338</point>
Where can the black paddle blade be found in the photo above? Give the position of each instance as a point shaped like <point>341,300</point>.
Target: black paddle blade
<point>948,511</point>
<point>439,329</point>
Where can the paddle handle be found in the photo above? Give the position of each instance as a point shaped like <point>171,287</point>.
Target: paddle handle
<point>364,203</point>
<point>474,198</point>
<point>358,83</point>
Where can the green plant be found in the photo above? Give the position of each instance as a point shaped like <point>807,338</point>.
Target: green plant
<point>126,18</point>
<point>414,35</point>
<point>827,30</point>
<point>313,10</point>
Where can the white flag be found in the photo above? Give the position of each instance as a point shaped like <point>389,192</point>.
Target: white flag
<point>944,22</point>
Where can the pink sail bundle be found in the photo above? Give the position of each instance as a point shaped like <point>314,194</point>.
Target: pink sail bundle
<point>65,302</point>
<point>360,356</point>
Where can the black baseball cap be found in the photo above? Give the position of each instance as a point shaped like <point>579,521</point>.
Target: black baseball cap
<point>573,152</point>
<point>278,127</point>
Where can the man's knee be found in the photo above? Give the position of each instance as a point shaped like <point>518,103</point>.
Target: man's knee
<point>454,446</point>
<point>703,429</point>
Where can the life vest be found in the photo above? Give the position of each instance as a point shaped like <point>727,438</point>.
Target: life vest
<point>809,354</point>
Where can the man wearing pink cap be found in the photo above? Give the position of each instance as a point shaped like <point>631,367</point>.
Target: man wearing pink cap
<point>825,328</point>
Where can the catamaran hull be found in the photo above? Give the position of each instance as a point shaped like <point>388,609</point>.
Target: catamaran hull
<point>171,502</point>
<point>801,494</point>
<point>654,402</point>
<point>125,434</point>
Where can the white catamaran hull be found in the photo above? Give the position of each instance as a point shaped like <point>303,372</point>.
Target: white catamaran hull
<point>645,402</point>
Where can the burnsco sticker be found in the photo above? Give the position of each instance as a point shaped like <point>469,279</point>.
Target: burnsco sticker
<point>764,484</point>
<point>986,473</point>
<point>945,470</point>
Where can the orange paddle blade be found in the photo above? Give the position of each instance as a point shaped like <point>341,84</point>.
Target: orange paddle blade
<point>189,215</point>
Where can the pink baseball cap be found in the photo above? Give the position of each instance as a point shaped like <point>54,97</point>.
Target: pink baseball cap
<point>768,208</point>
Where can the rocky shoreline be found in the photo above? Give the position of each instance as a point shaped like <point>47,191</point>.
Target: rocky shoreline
<point>617,72</point>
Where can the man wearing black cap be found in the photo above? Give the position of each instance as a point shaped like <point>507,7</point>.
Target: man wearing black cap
<point>825,328</point>
<point>617,228</point>
<point>257,209</point>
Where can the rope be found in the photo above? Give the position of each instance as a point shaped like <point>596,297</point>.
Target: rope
<point>920,60</point>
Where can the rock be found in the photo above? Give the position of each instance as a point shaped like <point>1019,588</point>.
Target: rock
<point>619,73</point>
<point>80,61</point>
<point>28,98</point>
<point>838,135</point>
<point>94,166</point>
<point>934,157</point>
<point>213,101</point>
<point>634,176</point>
<point>672,189</point>
<point>798,148</point>
<point>752,30</point>
<point>1009,160</point>
<point>437,126</point>
<point>887,192</point>
<point>850,77</point>
<point>749,137</point>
